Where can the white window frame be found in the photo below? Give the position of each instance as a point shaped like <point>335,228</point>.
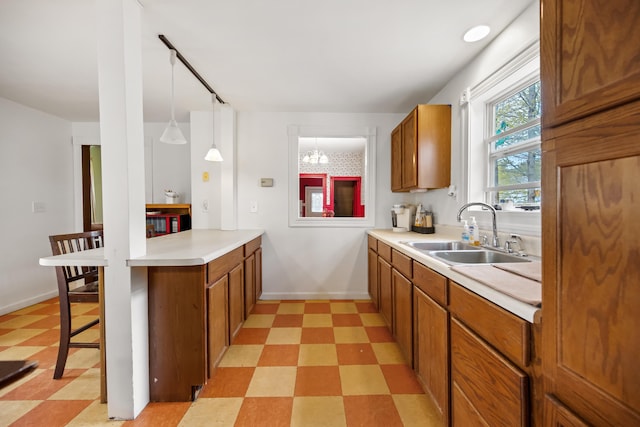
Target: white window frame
<point>524,67</point>
<point>490,137</point>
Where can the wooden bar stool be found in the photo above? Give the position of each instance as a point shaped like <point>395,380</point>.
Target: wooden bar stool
<point>76,284</point>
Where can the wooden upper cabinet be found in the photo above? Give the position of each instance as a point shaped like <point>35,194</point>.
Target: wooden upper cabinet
<point>410,150</point>
<point>589,58</point>
<point>396,159</point>
<point>421,149</point>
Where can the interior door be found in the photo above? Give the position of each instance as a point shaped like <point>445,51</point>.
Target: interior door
<point>313,201</point>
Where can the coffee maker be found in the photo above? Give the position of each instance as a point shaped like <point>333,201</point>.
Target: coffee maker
<point>402,217</point>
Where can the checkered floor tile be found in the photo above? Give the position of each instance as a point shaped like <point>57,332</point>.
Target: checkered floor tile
<point>294,363</point>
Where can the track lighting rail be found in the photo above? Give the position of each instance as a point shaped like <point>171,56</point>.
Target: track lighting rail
<point>190,67</point>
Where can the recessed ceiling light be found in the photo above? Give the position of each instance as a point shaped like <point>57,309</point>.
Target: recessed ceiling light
<point>476,33</point>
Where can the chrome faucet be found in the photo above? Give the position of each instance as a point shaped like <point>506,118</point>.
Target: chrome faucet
<point>496,241</point>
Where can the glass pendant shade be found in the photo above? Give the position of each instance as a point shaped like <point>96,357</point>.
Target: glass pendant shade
<point>213,155</point>
<point>172,134</point>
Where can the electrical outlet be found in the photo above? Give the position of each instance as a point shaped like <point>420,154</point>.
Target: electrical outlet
<point>253,207</point>
<point>205,206</point>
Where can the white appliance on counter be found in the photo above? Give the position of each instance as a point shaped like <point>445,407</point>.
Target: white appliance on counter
<point>402,217</point>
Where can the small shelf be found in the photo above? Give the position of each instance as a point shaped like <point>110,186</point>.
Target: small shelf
<point>176,208</point>
<point>168,218</point>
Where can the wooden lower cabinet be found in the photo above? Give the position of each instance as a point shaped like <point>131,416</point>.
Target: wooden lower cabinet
<point>194,314</point>
<point>249,284</point>
<point>177,326</point>
<point>236,300</point>
<point>386,299</point>
<point>403,314</point>
<point>487,389</point>
<point>252,274</point>
<point>431,349</point>
<point>373,277</point>
<point>258,273</point>
<point>217,322</point>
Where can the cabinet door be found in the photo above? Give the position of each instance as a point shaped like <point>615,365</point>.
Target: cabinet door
<point>396,159</point>
<point>410,150</point>
<point>434,146</point>
<point>258,273</point>
<point>236,300</point>
<point>583,71</point>
<point>486,388</point>
<point>386,303</point>
<point>217,322</point>
<point>249,284</point>
<point>431,349</point>
<point>558,415</point>
<point>177,339</point>
<point>403,314</point>
<point>590,266</point>
<point>373,277</point>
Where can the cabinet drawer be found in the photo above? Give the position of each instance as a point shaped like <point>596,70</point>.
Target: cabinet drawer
<point>487,389</point>
<point>384,251</point>
<point>505,331</point>
<point>402,263</point>
<point>431,283</point>
<point>224,264</point>
<point>251,247</point>
<point>373,243</point>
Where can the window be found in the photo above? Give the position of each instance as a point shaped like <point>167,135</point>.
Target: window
<point>504,158</point>
<point>513,147</point>
<point>345,148</point>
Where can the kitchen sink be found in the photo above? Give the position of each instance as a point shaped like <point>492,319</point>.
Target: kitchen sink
<point>475,257</point>
<point>441,246</point>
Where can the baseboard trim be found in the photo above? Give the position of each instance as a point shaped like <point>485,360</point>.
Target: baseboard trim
<point>18,305</point>
<point>315,296</point>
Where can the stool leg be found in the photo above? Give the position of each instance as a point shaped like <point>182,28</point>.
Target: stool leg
<point>65,337</point>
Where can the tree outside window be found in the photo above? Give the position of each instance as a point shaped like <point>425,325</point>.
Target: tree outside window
<point>514,148</point>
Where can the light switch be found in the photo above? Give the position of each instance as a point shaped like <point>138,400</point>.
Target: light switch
<point>38,207</point>
<point>253,206</point>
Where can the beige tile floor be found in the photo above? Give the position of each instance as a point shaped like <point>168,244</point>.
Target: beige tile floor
<point>294,363</point>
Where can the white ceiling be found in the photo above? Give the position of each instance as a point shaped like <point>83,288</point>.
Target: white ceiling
<point>366,56</point>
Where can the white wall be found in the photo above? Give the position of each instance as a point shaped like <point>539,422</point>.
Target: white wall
<point>305,262</point>
<point>515,38</point>
<point>298,262</point>
<point>167,166</point>
<point>35,166</point>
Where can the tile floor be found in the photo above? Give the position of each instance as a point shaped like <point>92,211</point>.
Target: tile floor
<point>294,363</point>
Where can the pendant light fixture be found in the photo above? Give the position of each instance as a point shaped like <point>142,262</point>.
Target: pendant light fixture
<point>172,134</point>
<point>316,157</point>
<point>213,155</point>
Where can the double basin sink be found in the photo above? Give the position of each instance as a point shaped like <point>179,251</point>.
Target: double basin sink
<point>461,253</point>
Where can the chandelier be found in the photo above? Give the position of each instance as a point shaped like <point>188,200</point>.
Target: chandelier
<point>314,157</point>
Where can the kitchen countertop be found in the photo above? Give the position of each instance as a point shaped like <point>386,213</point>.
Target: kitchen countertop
<point>521,309</point>
<point>191,247</point>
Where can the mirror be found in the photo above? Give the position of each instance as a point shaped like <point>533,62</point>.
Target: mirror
<point>331,180</point>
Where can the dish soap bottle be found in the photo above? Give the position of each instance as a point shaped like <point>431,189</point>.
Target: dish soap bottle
<point>474,233</point>
<point>465,232</point>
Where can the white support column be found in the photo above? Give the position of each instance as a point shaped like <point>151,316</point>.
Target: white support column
<point>121,136</point>
<point>228,178</point>
<point>220,191</point>
<point>205,194</point>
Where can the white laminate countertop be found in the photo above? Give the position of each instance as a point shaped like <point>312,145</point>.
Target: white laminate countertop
<point>523,310</point>
<point>191,247</point>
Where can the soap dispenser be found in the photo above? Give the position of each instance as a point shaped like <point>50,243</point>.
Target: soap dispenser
<point>474,233</point>
<point>465,232</point>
